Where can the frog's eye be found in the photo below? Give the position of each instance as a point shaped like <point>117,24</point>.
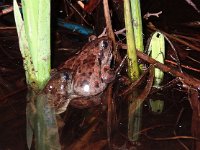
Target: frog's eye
<point>64,75</point>
<point>104,44</point>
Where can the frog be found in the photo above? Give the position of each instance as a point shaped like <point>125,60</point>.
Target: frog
<point>81,80</point>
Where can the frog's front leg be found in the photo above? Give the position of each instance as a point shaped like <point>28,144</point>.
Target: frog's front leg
<point>107,74</point>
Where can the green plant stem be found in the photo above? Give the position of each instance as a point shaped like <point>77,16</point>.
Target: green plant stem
<point>133,71</point>
<point>133,23</point>
<point>34,41</point>
<point>137,24</point>
<point>134,120</point>
<point>137,27</point>
<point>37,29</point>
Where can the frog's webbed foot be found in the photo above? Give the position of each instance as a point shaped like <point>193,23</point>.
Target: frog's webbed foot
<point>107,75</point>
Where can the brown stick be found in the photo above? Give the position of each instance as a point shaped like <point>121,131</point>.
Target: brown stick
<point>184,78</point>
<point>109,29</point>
<point>184,66</point>
<point>108,21</point>
<point>7,28</point>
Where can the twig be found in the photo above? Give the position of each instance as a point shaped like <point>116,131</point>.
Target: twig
<point>170,84</point>
<point>147,15</point>
<point>108,21</point>
<point>6,10</point>
<point>187,38</point>
<point>121,32</point>
<point>175,53</point>
<point>103,33</point>
<point>134,84</point>
<point>78,12</point>
<point>184,78</point>
<point>184,66</point>
<point>193,59</point>
<point>143,95</point>
<point>172,138</point>
<point>177,121</point>
<point>193,5</point>
<point>109,28</point>
<point>7,28</point>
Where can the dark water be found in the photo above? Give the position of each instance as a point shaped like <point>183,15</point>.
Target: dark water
<point>158,130</point>
<point>175,119</point>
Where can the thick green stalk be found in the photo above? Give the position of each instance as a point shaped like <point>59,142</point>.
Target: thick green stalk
<point>34,41</point>
<point>138,34</point>
<point>134,121</point>
<point>137,24</point>
<point>133,71</point>
<point>37,29</point>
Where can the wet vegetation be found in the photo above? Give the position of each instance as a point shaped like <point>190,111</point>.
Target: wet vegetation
<point>171,126</point>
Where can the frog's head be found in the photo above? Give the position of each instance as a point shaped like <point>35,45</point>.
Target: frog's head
<point>105,52</point>
<point>105,57</point>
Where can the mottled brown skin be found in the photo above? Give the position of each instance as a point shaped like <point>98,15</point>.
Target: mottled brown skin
<point>88,74</point>
<point>89,67</point>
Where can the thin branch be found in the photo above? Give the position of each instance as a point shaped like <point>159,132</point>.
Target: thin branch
<point>148,14</point>
<point>184,78</point>
<point>110,30</point>
<point>78,12</point>
<point>184,66</point>
<point>175,53</point>
<point>7,28</point>
<point>108,21</point>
